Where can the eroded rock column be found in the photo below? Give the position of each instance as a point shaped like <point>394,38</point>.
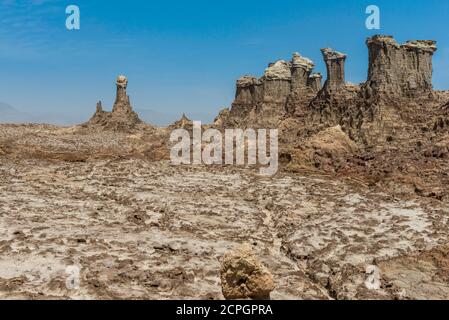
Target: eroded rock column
<point>122,104</point>
<point>122,117</point>
<point>247,91</point>
<point>277,82</point>
<point>314,82</point>
<point>301,69</point>
<point>399,70</point>
<point>335,65</point>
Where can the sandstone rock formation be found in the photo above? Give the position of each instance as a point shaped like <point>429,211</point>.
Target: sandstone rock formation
<point>219,120</point>
<point>399,70</point>
<point>314,81</point>
<point>391,118</point>
<point>375,112</point>
<point>122,117</point>
<point>243,276</point>
<point>386,106</point>
<point>335,65</point>
<point>265,101</point>
<point>300,72</point>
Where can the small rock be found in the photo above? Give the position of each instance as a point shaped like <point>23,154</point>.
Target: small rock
<point>243,276</point>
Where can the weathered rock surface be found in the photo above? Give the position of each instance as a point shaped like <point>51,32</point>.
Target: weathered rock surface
<point>243,276</point>
<point>265,101</point>
<point>335,66</point>
<point>301,73</point>
<point>328,150</point>
<point>183,123</point>
<point>398,122</point>
<point>142,229</point>
<point>122,117</point>
<point>399,70</point>
<point>314,81</point>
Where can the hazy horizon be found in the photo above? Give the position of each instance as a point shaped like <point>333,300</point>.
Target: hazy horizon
<point>186,56</point>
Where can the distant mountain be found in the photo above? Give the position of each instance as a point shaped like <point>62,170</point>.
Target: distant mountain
<point>9,114</point>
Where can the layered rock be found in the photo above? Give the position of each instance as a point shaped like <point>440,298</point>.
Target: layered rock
<point>265,101</point>
<point>395,102</point>
<point>314,82</point>
<point>391,129</point>
<point>122,104</point>
<point>248,95</point>
<point>300,72</point>
<point>276,87</point>
<point>335,66</point>
<point>122,117</point>
<point>381,109</point>
<point>399,70</point>
<point>333,102</point>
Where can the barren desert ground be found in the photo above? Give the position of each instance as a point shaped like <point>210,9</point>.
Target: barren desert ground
<point>145,229</point>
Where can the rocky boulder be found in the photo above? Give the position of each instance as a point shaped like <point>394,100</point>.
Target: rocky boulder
<point>243,276</point>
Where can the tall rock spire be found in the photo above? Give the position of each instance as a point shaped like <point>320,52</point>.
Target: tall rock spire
<point>122,104</point>
<point>335,65</point>
<point>122,117</point>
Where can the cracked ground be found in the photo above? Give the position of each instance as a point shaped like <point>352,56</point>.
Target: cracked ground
<point>138,229</point>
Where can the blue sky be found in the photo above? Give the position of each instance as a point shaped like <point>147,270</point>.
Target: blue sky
<point>186,55</point>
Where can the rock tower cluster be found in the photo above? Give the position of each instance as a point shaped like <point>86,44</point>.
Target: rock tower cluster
<point>399,79</point>
<point>265,100</point>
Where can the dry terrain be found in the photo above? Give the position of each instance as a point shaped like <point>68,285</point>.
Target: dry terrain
<point>145,229</point>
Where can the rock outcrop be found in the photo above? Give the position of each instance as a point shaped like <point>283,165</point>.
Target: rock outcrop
<point>399,70</point>
<point>372,112</point>
<point>122,117</point>
<point>265,101</point>
<point>335,66</point>
<point>183,123</point>
<point>220,120</point>
<point>243,276</point>
<point>328,150</point>
<point>314,82</point>
<point>383,108</point>
<point>300,72</point>
<point>396,108</point>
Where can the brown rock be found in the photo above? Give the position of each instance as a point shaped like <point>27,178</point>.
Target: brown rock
<point>122,117</point>
<point>301,70</point>
<point>183,123</point>
<point>243,276</point>
<point>335,65</point>
<point>266,101</point>
<point>314,81</point>
<point>222,118</point>
<point>399,70</point>
<point>328,150</point>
